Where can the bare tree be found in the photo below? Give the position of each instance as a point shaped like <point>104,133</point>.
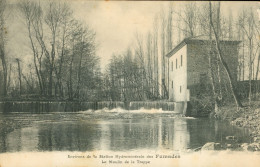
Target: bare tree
<point>155,53</point>
<point>247,24</point>
<point>230,25</point>
<point>19,75</point>
<point>163,58</point>
<point>220,55</point>
<point>62,44</point>
<point>56,39</point>
<point>169,45</point>
<point>32,15</point>
<point>53,21</point>
<point>85,51</point>
<point>139,50</point>
<point>149,63</point>
<point>258,57</point>
<point>188,18</point>
<point>3,32</point>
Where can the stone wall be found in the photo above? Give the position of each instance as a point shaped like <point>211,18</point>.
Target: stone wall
<point>198,63</point>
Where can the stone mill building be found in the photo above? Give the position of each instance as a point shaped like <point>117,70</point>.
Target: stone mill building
<point>189,65</point>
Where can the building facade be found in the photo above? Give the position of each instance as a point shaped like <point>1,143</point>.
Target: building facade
<point>189,68</point>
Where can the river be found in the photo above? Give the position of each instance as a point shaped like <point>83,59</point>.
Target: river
<point>112,130</point>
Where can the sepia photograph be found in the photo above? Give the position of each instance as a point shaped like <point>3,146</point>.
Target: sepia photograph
<point>129,83</point>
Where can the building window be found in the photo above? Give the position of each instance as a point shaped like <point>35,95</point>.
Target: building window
<point>181,60</point>
<point>180,89</point>
<point>172,66</point>
<point>176,63</point>
<point>172,84</point>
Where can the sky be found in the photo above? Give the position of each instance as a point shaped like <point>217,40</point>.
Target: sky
<point>115,23</point>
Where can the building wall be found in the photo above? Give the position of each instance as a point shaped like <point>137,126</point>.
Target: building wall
<point>198,72</point>
<point>230,53</point>
<point>178,75</point>
<point>197,64</point>
<point>195,71</point>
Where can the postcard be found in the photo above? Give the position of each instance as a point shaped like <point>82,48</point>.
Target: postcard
<point>129,83</point>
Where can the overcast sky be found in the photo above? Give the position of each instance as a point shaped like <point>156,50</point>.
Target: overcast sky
<point>115,24</point>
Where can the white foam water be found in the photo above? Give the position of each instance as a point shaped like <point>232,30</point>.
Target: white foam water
<point>120,110</point>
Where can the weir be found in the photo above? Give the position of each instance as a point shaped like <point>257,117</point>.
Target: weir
<point>164,105</point>
<point>48,106</point>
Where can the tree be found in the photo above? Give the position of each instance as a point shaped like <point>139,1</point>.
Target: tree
<point>220,55</point>
<point>61,47</point>
<point>155,56</point>
<point>188,19</point>
<point>32,14</point>
<point>19,75</point>
<point>247,22</point>
<point>62,44</point>
<point>163,59</point>
<point>258,57</point>
<point>3,32</point>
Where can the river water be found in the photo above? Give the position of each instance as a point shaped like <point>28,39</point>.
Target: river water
<point>112,130</point>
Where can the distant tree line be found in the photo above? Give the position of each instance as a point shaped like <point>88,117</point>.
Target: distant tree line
<point>65,65</point>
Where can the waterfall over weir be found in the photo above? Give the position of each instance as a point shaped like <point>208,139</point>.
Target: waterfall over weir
<point>41,107</point>
<point>166,106</point>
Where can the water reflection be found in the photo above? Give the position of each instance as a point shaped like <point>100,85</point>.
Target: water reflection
<point>118,134</point>
<point>181,138</point>
<point>70,137</point>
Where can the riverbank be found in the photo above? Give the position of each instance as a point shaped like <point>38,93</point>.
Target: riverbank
<point>249,118</point>
<point>9,124</point>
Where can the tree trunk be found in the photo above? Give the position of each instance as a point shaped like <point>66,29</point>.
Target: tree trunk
<point>243,59</point>
<point>4,72</point>
<point>250,71</point>
<point>213,84</point>
<point>212,73</point>
<point>19,76</point>
<point>34,59</point>
<point>79,71</point>
<point>2,49</point>
<point>256,75</point>
<point>70,81</point>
